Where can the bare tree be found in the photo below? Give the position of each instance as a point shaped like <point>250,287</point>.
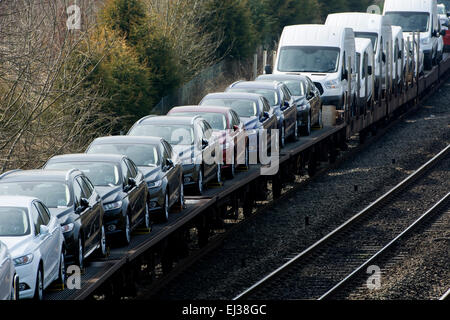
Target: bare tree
<point>45,107</point>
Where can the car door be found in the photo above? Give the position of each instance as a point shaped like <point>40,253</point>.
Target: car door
<point>170,172</point>
<point>89,216</point>
<point>208,151</point>
<point>140,191</point>
<point>43,242</point>
<point>314,100</point>
<point>54,237</point>
<point>5,273</point>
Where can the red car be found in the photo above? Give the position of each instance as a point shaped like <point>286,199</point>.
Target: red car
<point>228,128</point>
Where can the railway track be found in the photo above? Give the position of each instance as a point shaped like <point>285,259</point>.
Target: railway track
<point>322,269</point>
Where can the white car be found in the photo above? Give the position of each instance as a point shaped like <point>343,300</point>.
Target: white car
<point>35,241</point>
<point>9,280</point>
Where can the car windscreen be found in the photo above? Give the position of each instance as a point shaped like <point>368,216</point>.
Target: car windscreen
<point>243,107</point>
<point>309,59</point>
<point>373,37</point>
<point>52,194</point>
<point>172,133</point>
<point>217,121</point>
<point>101,174</point>
<point>14,222</point>
<point>296,87</point>
<point>269,94</point>
<point>143,155</point>
<point>410,21</point>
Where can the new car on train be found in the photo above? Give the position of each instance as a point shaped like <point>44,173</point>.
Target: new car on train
<point>71,197</point>
<point>280,100</point>
<point>162,169</point>
<point>9,279</point>
<point>306,96</point>
<point>254,110</point>
<point>36,243</point>
<point>121,186</point>
<point>228,128</point>
<point>192,140</point>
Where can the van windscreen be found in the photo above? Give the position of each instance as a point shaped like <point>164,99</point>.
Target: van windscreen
<point>373,37</point>
<point>309,59</point>
<point>410,21</point>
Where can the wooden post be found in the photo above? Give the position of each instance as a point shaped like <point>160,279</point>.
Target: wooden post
<point>349,82</point>
<point>418,63</point>
<point>373,81</point>
<point>380,78</point>
<point>264,58</point>
<point>255,65</point>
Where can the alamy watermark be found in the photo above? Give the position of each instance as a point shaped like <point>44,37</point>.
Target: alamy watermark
<point>374,280</point>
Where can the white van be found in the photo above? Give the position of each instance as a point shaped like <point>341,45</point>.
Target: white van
<point>369,26</point>
<point>417,16</point>
<point>397,54</point>
<point>364,57</point>
<point>321,53</point>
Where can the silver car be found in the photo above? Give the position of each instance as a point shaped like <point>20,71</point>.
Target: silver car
<point>9,280</point>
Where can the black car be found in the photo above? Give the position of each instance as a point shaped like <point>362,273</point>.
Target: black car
<point>156,159</point>
<point>121,186</point>
<point>280,100</point>
<point>306,96</point>
<point>193,142</point>
<point>71,197</point>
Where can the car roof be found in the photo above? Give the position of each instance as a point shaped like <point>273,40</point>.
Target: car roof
<point>272,85</point>
<point>169,120</point>
<point>211,109</point>
<point>16,201</point>
<point>234,95</point>
<point>84,157</point>
<point>282,77</point>
<point>128,139</point>
<point>37,175</point>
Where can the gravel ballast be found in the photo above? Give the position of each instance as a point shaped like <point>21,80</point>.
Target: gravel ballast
<point>329,200</point>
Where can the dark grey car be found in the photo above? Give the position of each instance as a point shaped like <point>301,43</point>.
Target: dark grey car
<point>193,142</point>
<point>162,169</point>
<point>71,197</point>
<point>121,186</point>
<point>306,96</point>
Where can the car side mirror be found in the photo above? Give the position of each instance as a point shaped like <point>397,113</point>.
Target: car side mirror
<point>44,230</point>
<point>266,115</point>
<point>369,70</point>
<point>268,69</point>
<point>169,163</point>
<point>205,143</point>
<point>235,128</point>
<point>345,75</point>
<point>286,104</point>
<point>132,182</point>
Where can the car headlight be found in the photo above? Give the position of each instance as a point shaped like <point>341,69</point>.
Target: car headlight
<point>112,205</point>
<point>155,184</point>
<point>67,228</point>
<point>333,84</point>
<point>24,260</point>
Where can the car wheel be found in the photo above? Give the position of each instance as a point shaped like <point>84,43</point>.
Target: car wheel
<point>307,128</point>
<point>62,270</point>
<point>282,136</point>
<point>232,169</point>
<point>181,201</point>
<point>146,223</point>
<point>320,119</point>
<point>102,249</point>
<point>219,173</point>
<point>199,185</point>
<point>165,213</point>
<point>125,235</point>
<point>39,290</point>
<point>80,253</point>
